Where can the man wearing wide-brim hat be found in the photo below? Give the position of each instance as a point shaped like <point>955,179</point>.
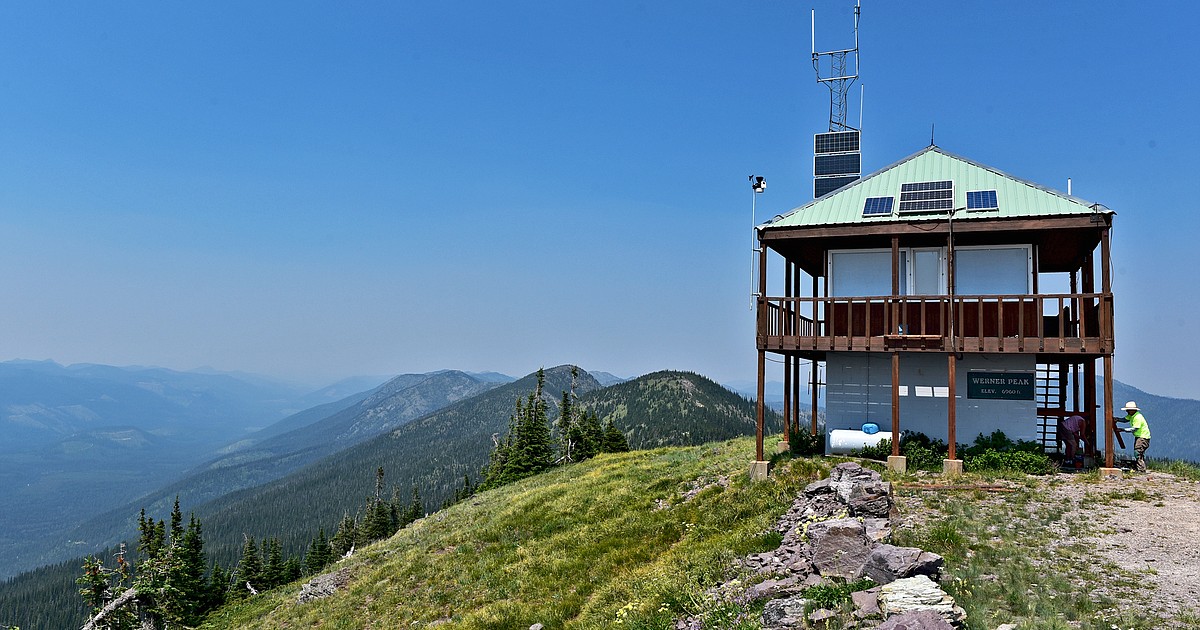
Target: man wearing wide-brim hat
<point>1140,430</point>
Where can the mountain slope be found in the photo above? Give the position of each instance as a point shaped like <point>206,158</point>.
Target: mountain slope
<point>344,423</point>
<point>78,440</point>
<point>568,548</point>
<point>1172,422</point>
<point>676,408</point>
<point>433,452</point>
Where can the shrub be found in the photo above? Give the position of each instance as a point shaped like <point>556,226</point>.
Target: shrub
<point>833,596</point>
<point>922,452</point>
<point>803,442</point>
<point>1010,462</point>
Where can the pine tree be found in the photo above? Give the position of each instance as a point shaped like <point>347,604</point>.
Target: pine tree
<point>319,553</point>
<point>567,433</point>
<point>249,570</point>
<point>218,586</point>
<point>614,440</point>
<point>416,507</point>
<point>591,436</point>
<point>272,571</point>
<point>347,533</point>
<point>99,585</point>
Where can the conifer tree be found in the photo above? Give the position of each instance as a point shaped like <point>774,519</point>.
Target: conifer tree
<point>272,571</point>
<point>248,571</point>
<point>343,540</point>
<point>614,440</point>
<point>590,435</point>
<point>416,507</point>
<point>319,553</point>
<point>218,586</point>
<point>291,570</point>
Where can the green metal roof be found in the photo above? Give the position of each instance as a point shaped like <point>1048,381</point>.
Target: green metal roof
<point>1015,197</point>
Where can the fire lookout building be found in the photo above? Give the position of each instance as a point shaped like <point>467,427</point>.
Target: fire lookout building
<point>922,290</point>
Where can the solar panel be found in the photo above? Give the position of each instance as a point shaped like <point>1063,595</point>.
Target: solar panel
<point>926,196</point>
<point>824,185</point>
<point>876,206</point>
<point>981,200</point>
<point>843,164</point>
<point>836,142</point>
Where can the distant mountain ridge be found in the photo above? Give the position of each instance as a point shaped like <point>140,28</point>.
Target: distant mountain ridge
<point>77,440</point>
<point>317,433</point>
<point>672,408</point>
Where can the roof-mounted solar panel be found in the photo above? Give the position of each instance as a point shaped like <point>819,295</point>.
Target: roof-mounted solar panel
<point>878,206</point>
<point>982,200</point>
<point>824,185</point>
<point>926,196</point>
<point>836,142</point>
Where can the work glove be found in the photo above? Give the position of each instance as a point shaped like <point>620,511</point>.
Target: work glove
<point>1125,430</point>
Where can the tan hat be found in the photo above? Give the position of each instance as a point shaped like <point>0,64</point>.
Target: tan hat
<point>1130,406</point>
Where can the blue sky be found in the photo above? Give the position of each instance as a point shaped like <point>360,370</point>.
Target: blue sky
<point>314,190</point>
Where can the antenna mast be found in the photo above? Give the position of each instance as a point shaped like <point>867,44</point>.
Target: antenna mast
<point>833,70</point>
<point>837,154</point>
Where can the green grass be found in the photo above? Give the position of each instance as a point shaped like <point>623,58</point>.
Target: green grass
<point>610,543</point>
<point>1006,561</point>
<point>1185,470</point>
<point>585,546</point>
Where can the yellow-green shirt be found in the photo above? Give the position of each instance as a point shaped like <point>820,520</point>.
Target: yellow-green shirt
<point>1137,422</point>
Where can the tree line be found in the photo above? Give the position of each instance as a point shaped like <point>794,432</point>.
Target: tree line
<point>529,446</point>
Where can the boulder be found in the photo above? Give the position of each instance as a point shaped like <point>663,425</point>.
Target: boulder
<point>866,603</point>
<point>787,612</point>
<point>916,620</point>
<point>771,589</point>
<point>839,547</point>
<point>871,499</point>
<point>818,487</point>
<point>919,593</point>
<point>888,563</point>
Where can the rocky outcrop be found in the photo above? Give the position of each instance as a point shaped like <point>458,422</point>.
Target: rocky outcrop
<point>836,531</point>
<point>323,586</point>
<point>916,594</point>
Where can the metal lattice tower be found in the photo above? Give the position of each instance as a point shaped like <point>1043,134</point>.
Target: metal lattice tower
<point>833,70</point>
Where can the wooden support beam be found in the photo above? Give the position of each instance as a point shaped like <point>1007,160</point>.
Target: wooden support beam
<point>951,425</point>
<point>896,403</point>
<point>760,411</point>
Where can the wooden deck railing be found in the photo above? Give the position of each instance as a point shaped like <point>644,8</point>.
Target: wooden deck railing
<point>1058,323</point>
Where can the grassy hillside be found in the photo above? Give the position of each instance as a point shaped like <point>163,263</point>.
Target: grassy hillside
<point>581,546</point>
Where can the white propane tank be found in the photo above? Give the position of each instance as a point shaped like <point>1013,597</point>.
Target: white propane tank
<point>843,441</point>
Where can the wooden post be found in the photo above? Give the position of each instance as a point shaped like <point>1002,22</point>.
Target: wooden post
<point>951,427</point>
<point>788,330</point>
<point>895,403</point>
<point>1109,426</point>
<point>895,287</point>
<point>815,384</point>
<point>787,398</point>
<point>1106,332</point>
<point>795,419</point>
<point>762,353</point>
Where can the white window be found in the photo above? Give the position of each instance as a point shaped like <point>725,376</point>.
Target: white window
<point>993,270</point>
<point>868,272</point>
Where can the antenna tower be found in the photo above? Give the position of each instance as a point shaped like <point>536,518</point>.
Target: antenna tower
<point>837,156</point>
<point>833,70</point>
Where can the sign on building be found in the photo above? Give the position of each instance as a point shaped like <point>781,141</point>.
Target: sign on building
<point>1000,385</point>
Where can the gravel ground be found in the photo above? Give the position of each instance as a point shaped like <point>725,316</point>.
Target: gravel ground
<point>1148,525</point>
<point>1157,537</point>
